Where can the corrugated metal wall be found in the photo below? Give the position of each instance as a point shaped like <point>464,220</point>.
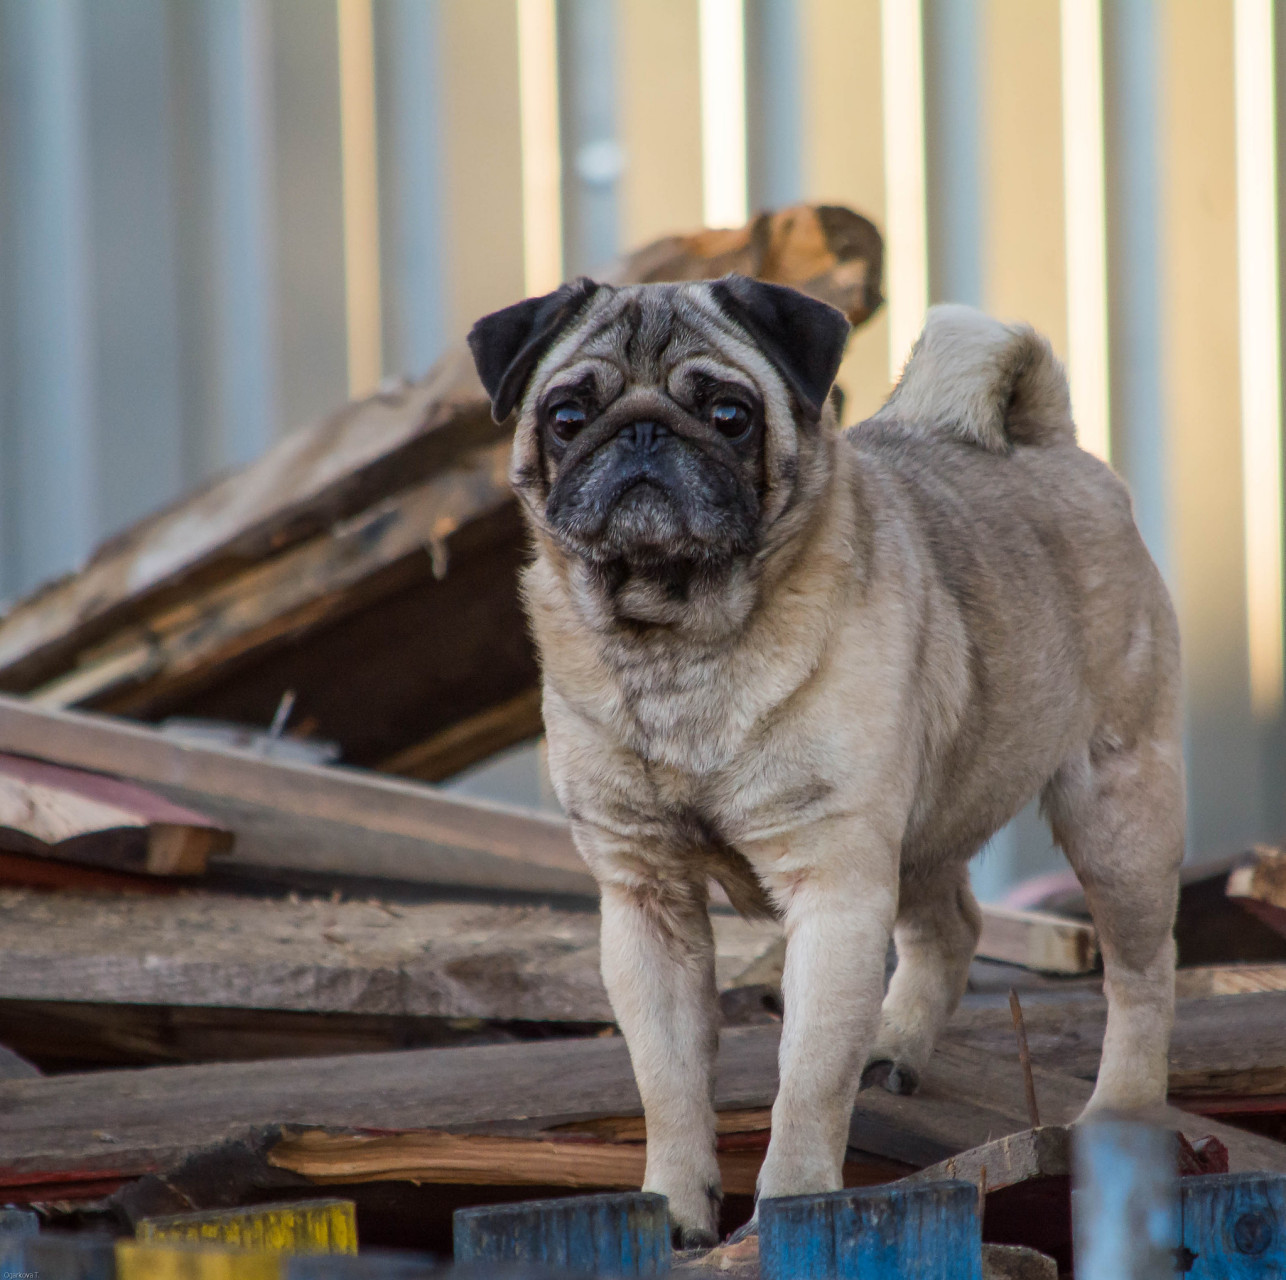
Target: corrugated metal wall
<point>219,216</point>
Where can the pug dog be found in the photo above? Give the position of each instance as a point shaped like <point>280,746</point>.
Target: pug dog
<point>822,669</point>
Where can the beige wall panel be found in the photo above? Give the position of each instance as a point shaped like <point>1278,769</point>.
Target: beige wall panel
<point>483,213</point>
<point>1024,271</point>
<point>659,59</point>
<point>1200,375</point>
<point>843,155</point>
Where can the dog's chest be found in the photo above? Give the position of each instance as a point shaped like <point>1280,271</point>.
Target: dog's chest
<point>686,714</point>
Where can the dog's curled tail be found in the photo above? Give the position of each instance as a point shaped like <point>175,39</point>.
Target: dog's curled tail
<point>990,384</point>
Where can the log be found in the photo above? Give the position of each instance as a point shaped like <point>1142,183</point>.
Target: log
<point>58,812</point>
<point>382,542</point>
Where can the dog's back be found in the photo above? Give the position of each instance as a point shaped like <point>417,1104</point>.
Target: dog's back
<point>1031,543</point>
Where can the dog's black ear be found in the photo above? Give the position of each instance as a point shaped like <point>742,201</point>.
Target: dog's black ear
<point>507,344</point>
<point>804,338</point>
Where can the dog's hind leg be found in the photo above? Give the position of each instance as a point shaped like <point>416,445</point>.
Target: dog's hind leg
<point>1118,813</point>
<point>938,924</point>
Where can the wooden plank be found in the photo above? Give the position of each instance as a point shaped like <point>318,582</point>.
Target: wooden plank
<point>310,585</point>
<point>312,477</point>
<point>1019,1157</point>
<point>1220,1046</point>
<point>1035,940</point>
<point>1232,1226</point>
<point>1258,884</point>
<point>598,1235</point>
<point>135,1261</point>
<point>312,817</point>
<point>1229,980</point>
<point>306,1226</point>
<point>160,1118</point>
<point>88,817</point>
<point>435,959</point>
<point>887,1233</point>
<point>1038,940</point>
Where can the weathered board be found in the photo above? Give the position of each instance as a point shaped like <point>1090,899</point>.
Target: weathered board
<point>431,959</point>
<point>606,1235</point>
<point>1221,1046</point>
<point>82,1134</point>
<point>311,817</point>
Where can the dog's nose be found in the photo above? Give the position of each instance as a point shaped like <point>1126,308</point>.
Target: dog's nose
<point>644,436</point>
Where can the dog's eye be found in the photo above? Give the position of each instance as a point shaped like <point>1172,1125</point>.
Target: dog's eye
<point>730,418</point>
<point>566,420</point>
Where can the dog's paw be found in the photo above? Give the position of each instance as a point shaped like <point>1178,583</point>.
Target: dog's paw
<point>694,1238</point>
<point>895,1077</point>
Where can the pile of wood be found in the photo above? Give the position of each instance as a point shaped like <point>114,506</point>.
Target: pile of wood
<point>313,979</point>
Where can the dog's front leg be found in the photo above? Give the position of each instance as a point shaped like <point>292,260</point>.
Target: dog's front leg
<point>838,895</point>
<point>658,967</point>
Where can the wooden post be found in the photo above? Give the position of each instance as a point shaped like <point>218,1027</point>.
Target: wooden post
<point>1125,1201</point>
<point>611,1235</point>
<point>307,1226</point>
<point>139,1261</point>
<point>54,1256</point>
<point>876,1233</point>
<point>377,1265</point>
<point>1234,1225</point>
<point>17,1222</point>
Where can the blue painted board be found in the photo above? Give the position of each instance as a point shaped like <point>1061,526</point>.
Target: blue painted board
<point>1125,1201</point>
<point>18,1222</point>
<point>51,1256</point>
<point>1234,1226</point>
<point>367,1265</point>
<point>625,1234</point>
<point>930,1232</point>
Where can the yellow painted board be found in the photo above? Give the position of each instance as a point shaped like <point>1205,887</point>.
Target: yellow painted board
<point>139,1261</point>
<point>305,1226</point>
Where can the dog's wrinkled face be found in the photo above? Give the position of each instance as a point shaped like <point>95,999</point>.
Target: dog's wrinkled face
<point>660,427</point>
